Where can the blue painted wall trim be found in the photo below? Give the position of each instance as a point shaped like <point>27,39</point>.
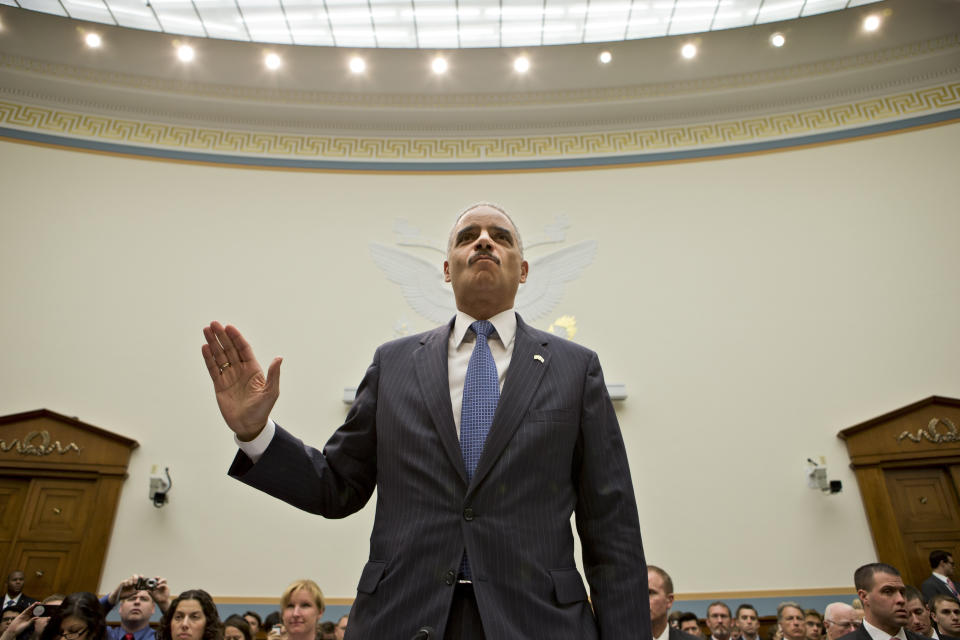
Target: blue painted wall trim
<point>942,117</point>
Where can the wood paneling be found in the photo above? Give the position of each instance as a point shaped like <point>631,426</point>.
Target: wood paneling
<point>907,464</point>
<point>60,481</point>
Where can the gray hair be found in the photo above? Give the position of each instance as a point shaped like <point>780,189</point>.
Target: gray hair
<point>475,205</point>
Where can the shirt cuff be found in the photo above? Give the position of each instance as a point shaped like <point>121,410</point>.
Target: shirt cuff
<point>254,448</point>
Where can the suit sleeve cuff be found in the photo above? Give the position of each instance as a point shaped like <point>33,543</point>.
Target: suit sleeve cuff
<point>254,448</point>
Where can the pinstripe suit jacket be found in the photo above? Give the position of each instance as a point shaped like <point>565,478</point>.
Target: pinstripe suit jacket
<point>554,449</point>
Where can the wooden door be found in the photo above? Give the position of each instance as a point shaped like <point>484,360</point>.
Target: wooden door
<point>13,497</point>
<point>926,503</point>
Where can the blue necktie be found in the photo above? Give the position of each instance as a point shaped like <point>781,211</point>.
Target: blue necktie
<point>481,392</point>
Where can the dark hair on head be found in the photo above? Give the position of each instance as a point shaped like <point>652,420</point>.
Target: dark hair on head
<point>687,616</point>
<point>788,605</point>
<point>83,606</point>
<point>240,623</point>
<point>942,597</point>
<point>718,603</point>
<point>255,616</point>
<point>747,606</point>
<point>272,620</point>
<point>667,581</point>
<point>912,593</point>
<point>937,556</point>
<point>863,577</point>
<point>213,630</point>
<point>813,612</point>
<point>328,627</point>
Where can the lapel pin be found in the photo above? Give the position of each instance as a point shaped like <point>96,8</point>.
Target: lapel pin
<point>539,357</point>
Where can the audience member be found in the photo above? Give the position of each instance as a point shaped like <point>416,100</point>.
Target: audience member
<point>8,615</point>
<point>813,624</point>
<point>136,607</point>
<point>690,624</point>
<point>790,621</point>
<point>236,627</point>
<point>272,619</point>
<point>918,615</point>
<point>79,617</point>
<point>301,605</point>
<point>941,562</point>
<point>341,627</point>
<point>674,619</point>
<point>839,619</point>
<point>719,621</point>
<point>253,619</point>
<point>660,588</point>
<point>880,590</point>
<point>945,612</point>
<point>15,594</point>
<point>327,631</point>
<point>191,616</point>
<point>748,621</point>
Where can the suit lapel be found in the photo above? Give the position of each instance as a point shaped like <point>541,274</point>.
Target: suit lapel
<point>430,362</point>
<point>523,378</point>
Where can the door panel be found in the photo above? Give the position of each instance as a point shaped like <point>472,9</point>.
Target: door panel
<point>58,510</point>
<point>48,567</point>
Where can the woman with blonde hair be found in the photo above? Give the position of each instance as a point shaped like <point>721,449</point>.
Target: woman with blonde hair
<point>301,607</point>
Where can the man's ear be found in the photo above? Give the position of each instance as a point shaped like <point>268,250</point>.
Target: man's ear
<point>669,601</point>
<point>446,271</point>
<point>524,267</point>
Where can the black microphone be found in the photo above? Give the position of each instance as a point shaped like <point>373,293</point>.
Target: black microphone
<point>423,633</point>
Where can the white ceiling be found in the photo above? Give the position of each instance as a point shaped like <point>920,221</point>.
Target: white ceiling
<point>433,24</point>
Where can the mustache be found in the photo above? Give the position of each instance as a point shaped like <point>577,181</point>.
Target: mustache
<point>482,253</point>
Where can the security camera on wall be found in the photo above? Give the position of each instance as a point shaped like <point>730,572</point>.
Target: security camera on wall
<point>817,478</point>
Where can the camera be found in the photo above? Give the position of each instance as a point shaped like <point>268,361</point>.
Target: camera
<point>45,610</point>
<point>147,584</point>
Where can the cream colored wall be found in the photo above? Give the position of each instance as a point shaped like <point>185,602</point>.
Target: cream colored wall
<point>752,306</point>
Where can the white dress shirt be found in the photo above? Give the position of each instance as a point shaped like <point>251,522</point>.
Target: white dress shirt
<point>877,634</point>
<point>459,348</point>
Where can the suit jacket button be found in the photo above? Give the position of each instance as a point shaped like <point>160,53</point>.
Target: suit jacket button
<point>450,578</point>
<point>468,514</point>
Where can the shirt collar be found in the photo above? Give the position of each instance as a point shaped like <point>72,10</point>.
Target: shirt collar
<point>877,634</point>
<point>504,323</point>
<point>940,577</point>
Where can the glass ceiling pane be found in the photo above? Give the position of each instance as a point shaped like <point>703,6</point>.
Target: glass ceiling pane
<point>437,24</point>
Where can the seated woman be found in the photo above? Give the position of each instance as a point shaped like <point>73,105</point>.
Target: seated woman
<point>301,606</point>
<point>191,616</point>
<point>236,628</point>
<point>79,617</point>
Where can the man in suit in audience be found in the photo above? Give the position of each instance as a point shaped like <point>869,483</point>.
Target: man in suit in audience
<point>15,595</point>
<point>689,624</point>
<point>940,581</point>
<point>945,612</point>
<point>472,536</point>
<point>719,621</point>
<point>660,587</point>
<point>136,607</point>
<point>839,619</point>
<point>748,621</point>
<point>881,590</point>
<point>918,615</point>
<point>790,617</point>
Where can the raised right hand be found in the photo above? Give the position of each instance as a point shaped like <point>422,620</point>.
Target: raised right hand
<point>245,396</point>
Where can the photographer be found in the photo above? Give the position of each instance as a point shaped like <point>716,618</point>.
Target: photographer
<point>136,597</point>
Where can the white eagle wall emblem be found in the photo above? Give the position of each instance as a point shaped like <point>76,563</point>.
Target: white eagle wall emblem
<point>421,281</point>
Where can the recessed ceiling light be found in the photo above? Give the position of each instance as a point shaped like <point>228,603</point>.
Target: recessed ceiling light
<point>688,51</point>
<point>93,40</point>
<point>606,57</point>
<point>871,23</point>
<point>439,65</point>
<point>357,65</point>
<point>777,40</point>
<point>522,64</point>
<point>272,61</point>
<point>185,52</point>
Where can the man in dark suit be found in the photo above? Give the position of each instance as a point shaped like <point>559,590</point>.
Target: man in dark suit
<point>940,581</point>
<point>660,587</point>
<point>14,595</point>
<point>881,591</point>
<point>482,438</point>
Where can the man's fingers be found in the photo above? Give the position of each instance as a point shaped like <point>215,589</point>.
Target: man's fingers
<point>226,342</point>
<point>273,375</point>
